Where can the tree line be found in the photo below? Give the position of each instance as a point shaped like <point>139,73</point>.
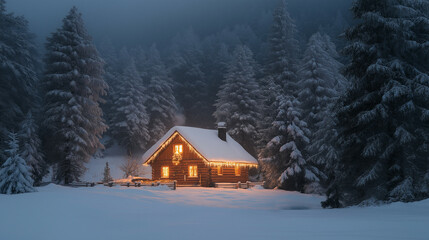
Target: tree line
<point>353,126</point>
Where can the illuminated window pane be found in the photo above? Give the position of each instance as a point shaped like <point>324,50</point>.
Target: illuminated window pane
<point>193,171</point>
<point>219,170</point>
<point>178,148</point>
<point>237,171</point>
<point>165,172</point>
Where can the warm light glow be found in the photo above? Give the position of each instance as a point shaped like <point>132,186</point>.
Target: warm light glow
<point>192,149</point>
<point>237,171</point>
<point>165,172</point>
<point>219,170</point>
<point>178,149</point>
<point>232,164</point>
<point>193,171</point>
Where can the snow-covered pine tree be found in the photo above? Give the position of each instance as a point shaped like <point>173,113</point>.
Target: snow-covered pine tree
<point>284,49</point>
<point>140,57</point>
<point>73,87</point>
<point>124,59</point>
<point>239,100</point>
<point>216,61</point>
<point>111,76</point>
<point>18,87</point>
<point>161,102</point>
<point>106,174</point>
<point>129,121</point>
<point>280,70</point>
<point>320,85</point>
<point>284,159</point>
<point>384,116</point>
<point>269,92</point>
<point>31,148</point>
<point>15,176</point>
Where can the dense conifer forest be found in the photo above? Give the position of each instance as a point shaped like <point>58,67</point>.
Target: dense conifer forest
<point>332,102</point>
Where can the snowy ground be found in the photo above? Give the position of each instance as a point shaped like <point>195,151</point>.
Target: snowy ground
<point>115,155</point>
<point>57,212</point>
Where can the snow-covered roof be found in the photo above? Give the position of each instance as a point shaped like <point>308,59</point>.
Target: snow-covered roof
<point>207,143</point>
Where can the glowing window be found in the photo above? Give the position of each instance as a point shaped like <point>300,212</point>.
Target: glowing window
<point>178,149</point>
<point>165,172</point>
<point>237,171</point>
<point>219,170</point>
<point>193,171</point>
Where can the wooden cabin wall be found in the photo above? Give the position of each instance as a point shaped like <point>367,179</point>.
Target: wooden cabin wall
<point>228,175</point>
<point>177,172</point>
<point>206,174</point>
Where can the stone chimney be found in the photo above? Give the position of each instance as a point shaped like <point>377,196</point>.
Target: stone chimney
<point>221,130</point>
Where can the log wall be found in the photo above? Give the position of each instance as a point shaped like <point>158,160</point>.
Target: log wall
<point>206,174</point>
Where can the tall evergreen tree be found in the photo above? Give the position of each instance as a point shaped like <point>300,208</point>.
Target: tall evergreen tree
<point>129,123</point>
<point>280,70</point>
<point>216,61</point>
<point>320,86</point>
<point>15,176</point>
<point>284,49</point>
<point>269,92</point>
<point>284,158</point>
<point>31,149</point>
<point>18,85</point>
<point>239,100</point>
<point>73,86</point>
<point>161,102</point>
<point>384,116</point>
<point>111,76</point>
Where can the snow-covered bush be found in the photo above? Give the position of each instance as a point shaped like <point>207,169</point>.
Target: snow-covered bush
<point>15,175</point>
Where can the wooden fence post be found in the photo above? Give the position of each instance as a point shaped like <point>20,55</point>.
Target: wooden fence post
<point>247,184</point>
<point>238,184</point>
<point>174,185</point>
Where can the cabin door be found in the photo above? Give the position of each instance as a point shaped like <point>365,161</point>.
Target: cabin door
<point>191,176</point>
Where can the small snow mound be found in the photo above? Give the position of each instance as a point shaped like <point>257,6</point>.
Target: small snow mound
<point>257,187</point>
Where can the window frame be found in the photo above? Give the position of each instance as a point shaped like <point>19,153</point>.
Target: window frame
<point>219,170</point>
<point>237,170</point>
<point>193,171</point>
<point>162,172</point>
<point>179,149</point>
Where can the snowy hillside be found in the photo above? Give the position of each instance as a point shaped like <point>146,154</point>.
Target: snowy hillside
<point>56,212</point>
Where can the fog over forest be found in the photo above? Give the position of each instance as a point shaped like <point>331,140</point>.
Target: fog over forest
<point>326,97</point>
<point>135,22</point>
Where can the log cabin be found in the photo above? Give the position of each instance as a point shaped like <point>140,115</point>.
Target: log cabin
<point>199,157</point>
